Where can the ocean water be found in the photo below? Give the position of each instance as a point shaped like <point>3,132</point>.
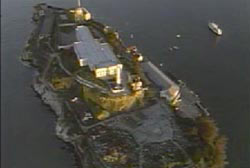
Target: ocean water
<point>218,69</point>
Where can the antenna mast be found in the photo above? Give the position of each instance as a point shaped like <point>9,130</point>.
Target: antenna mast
<point>79,3</point>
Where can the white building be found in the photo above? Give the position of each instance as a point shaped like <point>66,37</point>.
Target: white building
<point>99,57</point>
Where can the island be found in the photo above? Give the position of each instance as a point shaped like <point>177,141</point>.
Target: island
<point>113,105</point>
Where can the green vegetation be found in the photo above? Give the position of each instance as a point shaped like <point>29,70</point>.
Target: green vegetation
<point>127,64</point>
<point>115,156</point>
<point>61,83</point>
<point>102,115</point>
<point>208,149</point>
<point>213,144</point>
<point>113,39</point>
<point>207,129</point>
<point>135,69</point>
<point>175,160</point>
<point>110,35</point>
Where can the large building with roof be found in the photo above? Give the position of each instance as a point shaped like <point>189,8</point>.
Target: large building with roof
<point>99,57</point>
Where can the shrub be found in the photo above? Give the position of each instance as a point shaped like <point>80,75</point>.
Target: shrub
<point>212,152</point>
<point>207,129</point>
<point>219,152</point>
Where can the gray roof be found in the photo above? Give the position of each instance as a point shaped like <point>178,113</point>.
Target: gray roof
<point>157,76</point>
<point>48,22</point>
<point>96,55</point>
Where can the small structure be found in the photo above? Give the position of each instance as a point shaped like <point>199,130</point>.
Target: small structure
<point>82,14</point>
<point>87,117</point>
<point>132,49</point>
<point>64,21</point>
<point>137,57</point>
<point>118,87</point>
<point>74,99</point>
<point>136,83</point>
<point>41,13</point>
<point>97,56</point>
<point>111,32</point>
<point>135,54</point>
<point>172,95</point>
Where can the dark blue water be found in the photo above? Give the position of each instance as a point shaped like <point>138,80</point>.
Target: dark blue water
<point>218,69</point>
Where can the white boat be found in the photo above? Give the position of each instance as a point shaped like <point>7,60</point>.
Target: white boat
<point>215,28</point>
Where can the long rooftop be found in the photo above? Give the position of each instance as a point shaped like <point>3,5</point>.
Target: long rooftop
<point>94,53</point>
<point>157,76</point>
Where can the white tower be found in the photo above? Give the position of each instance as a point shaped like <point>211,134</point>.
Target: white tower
<point>118,76</point>
<point>79,3</point>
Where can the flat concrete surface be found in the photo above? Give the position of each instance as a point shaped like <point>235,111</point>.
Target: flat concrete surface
<point>148,125</point>
<point>187,105</point>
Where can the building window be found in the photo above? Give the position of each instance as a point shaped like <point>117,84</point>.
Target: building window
<point>101,72</point>
<point>112,70</point>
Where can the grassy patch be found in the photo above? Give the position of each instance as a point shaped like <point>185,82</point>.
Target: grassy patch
<point>62,83</point>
